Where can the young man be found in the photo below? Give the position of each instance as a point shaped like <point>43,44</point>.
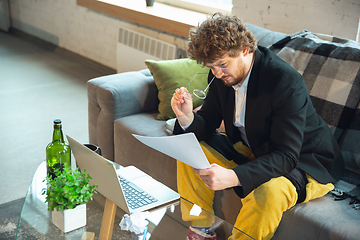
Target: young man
<point>276,152</point>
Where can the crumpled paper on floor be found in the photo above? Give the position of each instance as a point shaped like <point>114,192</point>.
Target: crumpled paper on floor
<point>135,222</point>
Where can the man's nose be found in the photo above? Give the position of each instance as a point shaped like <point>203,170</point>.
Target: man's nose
<point>217,71</point>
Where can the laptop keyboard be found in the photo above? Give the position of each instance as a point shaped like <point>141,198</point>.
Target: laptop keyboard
<point>135,197</point>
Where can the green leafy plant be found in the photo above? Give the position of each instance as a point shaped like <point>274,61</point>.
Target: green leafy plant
<point>68,189</point>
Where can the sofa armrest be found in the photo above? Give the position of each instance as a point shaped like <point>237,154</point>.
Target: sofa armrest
<point>115,96</point>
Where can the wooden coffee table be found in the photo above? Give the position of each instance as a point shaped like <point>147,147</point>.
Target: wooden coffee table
<point>164,222</point>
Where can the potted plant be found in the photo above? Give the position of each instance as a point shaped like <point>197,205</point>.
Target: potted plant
<point>67,193</point>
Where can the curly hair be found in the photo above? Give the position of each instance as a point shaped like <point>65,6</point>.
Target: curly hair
<point>218,35</point>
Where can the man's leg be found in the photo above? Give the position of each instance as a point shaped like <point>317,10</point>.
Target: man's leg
<point>192,188</point>
<point>254,218</point>
<point>263,208</point>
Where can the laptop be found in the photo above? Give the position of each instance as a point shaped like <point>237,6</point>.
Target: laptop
<point>114,183</point>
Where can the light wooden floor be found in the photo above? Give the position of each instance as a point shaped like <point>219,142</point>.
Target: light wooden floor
<point>38,83</point>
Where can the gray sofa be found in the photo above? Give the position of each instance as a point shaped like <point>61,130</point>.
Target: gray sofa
<point>127,103</point>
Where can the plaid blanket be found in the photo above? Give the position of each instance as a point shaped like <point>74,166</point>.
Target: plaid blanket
<point>330,67</point>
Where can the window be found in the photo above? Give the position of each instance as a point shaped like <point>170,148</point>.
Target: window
<point>204,6</point>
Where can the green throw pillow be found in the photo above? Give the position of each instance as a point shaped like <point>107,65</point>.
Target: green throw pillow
<point>172,74</point>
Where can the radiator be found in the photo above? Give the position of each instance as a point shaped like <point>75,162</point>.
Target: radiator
<point>4,15</point>
<point>133,48</point>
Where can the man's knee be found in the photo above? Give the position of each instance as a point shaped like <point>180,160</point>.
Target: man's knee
<point>277,191</point>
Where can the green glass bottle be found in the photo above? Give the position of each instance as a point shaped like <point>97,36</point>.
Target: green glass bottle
<point>58,153</point>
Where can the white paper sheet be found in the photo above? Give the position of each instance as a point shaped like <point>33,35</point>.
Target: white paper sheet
<point>183,147</point>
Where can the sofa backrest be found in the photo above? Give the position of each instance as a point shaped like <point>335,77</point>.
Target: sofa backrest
<point>264,36</point>
<point>330,67</point>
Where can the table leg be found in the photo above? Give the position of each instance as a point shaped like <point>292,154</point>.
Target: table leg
<point>107,223</point>
<point>88,236</point>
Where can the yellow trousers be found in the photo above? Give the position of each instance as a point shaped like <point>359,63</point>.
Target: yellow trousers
<point>262,209</point>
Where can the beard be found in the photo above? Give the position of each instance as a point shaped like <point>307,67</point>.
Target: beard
<point>230,81</point>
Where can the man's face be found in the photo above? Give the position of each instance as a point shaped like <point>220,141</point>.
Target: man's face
<point>232,69</point>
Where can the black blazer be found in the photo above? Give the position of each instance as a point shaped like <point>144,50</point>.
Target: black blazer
<point>283,129</point>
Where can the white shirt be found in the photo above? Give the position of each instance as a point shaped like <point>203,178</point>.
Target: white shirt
<point>240,106</point>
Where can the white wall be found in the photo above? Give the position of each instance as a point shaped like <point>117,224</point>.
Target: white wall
<point>332,17</point>
<point>93,35</point>
<point>88,33</point>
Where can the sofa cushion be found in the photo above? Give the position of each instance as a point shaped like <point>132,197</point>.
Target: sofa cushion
<point>172,74</point>
<point>331,70</point>
<point>321,219</point>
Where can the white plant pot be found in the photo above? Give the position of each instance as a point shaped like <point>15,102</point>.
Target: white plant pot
<point>70,219</point>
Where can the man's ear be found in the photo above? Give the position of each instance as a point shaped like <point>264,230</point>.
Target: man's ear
<point>245,51</point>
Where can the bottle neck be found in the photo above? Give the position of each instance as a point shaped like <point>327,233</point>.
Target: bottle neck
<point>57,134</point>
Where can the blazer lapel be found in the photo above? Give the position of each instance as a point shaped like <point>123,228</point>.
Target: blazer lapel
<point>229,111</point>
<point>251,96</point>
